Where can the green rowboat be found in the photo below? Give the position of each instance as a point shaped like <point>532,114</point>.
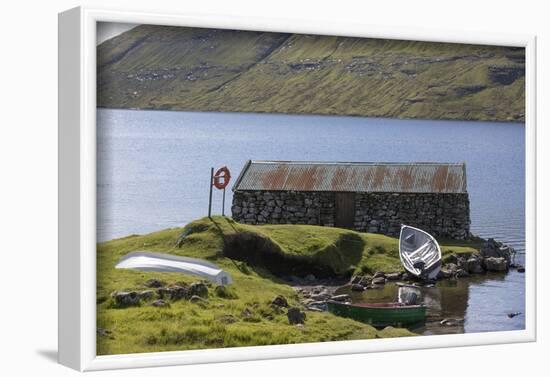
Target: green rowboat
<point>380,315</point>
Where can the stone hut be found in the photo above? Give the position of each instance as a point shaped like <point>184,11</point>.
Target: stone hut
<point>364,196</point>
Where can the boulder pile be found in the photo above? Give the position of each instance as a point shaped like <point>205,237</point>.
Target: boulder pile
<point>493,256</point>
<point>315,298</point>
<point>195,292</point>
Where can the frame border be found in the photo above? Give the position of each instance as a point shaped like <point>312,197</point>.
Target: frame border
<point>77,189</point>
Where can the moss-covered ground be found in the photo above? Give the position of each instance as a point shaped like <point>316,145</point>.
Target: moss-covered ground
<point>243,316</point>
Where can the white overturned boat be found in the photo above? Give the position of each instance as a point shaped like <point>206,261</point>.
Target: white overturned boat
<point>419,252</point>
<point>146,261</point>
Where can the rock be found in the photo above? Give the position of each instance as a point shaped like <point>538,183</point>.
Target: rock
<point>444,274</point>
<point>146,295</point>
<point>379,280</point>
<point>460,273</point>
<point>227,319</point>
<point>393,276</point>
<point>126,298</point>
<point>357,288</point>
<point>343,297</point>
<point>314,309</point>
<point>310,278</point>
<point>462,264</point>
<point>174,293</point>
<point>514,314</point>
<point>495,264</point>
<point>198,299</point>
<point>154,283</point>
<point>473,265</point>
<point>223,292</point>
<point>317,303</point>
<point>321,296</point>
<point>451,267</point>
<point>160,303</point>
<point>495,249</point>
<point>319,289</point>
<point>220,290</point>
<point>103,332</point>
<point>379,274</point>
<point>366,281</point>
<point>452,322</point>
<point>518,267</point>
<point>280,301</point>
<point>198,289</point>
<point>246,313</point>
<point>296,316</point>
<point>307,301</point>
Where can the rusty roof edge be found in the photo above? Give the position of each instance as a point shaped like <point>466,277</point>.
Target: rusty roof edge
<point>353,162</point>
<point>241,175</point>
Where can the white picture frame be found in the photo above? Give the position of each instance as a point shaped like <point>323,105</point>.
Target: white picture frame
<point>77,190</point>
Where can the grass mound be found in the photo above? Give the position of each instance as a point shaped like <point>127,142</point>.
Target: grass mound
<point>280,251</point>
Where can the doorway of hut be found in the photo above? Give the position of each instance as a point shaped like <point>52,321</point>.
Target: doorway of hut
<point>345,210</point>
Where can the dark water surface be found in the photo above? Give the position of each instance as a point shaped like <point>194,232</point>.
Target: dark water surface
<point>481,301</point>
<point>154,167</point>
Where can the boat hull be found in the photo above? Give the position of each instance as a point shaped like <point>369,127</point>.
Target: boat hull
<point>399,316</point>
<point>419,252</point>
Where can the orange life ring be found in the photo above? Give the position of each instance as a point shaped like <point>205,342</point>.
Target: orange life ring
<point>221,178</point>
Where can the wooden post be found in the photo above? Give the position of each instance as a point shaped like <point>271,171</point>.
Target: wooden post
<point>223,203</point>
<point>210,198</point>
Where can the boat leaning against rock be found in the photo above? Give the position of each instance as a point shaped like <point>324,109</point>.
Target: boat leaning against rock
<point>419,252</point>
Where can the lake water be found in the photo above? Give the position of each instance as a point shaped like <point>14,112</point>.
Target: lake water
<point>154,171</point>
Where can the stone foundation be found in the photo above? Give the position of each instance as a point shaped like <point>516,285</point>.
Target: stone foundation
<point>443,215</point>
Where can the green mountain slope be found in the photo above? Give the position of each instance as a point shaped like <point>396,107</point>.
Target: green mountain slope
<point>159,67</point>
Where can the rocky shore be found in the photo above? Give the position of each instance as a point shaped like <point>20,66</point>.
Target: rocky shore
<point>493,256</point>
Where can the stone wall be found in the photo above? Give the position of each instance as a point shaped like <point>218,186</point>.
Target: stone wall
<point>443,215</point>
<point>283,207</point>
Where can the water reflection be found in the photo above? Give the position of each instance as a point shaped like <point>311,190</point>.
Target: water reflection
<point>471,301</point>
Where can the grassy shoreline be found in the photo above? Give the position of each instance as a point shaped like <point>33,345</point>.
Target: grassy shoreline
<point>242,316</point>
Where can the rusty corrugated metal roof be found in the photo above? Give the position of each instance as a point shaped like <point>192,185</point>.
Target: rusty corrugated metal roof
<point>417,177</point>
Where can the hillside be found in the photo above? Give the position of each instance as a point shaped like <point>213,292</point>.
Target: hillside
<point>160,67</point>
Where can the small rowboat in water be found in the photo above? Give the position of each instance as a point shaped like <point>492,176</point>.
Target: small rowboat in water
<point>380,315</point>
<point>419,252</point>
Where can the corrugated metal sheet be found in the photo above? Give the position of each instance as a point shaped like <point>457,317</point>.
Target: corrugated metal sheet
<point>352,177</point>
